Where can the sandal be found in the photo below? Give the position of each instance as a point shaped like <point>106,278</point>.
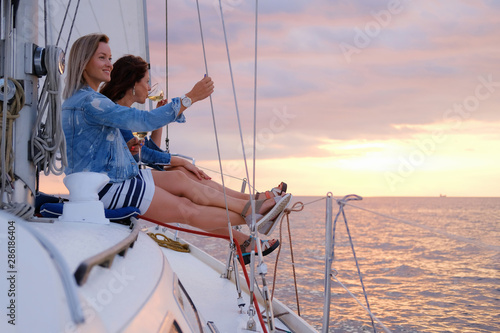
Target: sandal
<point>279,206</point>
<point>276,212</point>
<point>276,191</point>
<point>248,218</point>
<point>267,246</point>
<point>267,227</point>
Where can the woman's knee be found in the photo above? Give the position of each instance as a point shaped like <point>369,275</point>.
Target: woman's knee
<point>171,208</point>
<point>187,210</point>
<point>171,180</point>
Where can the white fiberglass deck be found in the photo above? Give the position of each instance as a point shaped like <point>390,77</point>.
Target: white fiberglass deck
<point>216,297</point>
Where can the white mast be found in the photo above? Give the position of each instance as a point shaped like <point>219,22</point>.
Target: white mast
<point>19,33</point>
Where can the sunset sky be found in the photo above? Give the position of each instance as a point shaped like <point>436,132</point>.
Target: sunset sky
<point>376,98</point>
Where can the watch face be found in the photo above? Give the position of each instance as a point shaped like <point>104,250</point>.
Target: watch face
<point>186,101</point>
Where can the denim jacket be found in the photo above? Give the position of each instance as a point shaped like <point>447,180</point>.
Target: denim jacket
<point>91,124</point>
<point>151,154</point>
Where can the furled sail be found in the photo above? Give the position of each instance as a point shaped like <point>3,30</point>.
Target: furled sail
<point>42,25</point>
<point>124,21</point>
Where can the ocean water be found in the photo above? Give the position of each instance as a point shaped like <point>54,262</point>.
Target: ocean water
<point>428,264</point>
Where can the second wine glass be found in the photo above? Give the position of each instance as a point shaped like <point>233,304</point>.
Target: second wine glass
<point>140,136</point>
<point>156,93</point>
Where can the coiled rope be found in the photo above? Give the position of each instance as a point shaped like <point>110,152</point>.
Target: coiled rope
<point>48,144</point>
<point>168,243</point>
<point>12,114</point>
<point>22,210</point>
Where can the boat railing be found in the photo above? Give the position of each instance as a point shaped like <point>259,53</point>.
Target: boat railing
<point>331,273</point>
<point>106,257</point>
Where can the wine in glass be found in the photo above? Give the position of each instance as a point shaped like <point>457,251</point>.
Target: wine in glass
<point>140,136</point>
<point>156,93</point>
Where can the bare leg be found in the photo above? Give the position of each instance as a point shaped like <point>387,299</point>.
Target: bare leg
<point>177,183</point>
<point>211,183</point>
<point>169,208</point>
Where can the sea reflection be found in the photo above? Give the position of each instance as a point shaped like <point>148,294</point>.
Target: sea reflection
<point>438,273</point>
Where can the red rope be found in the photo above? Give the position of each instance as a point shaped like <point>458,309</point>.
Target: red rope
<point>238,249</point>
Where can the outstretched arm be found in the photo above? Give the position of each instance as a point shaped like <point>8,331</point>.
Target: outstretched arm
<point>201,90</point>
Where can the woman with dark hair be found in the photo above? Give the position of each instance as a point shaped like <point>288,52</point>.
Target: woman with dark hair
<point>91,124</point>
<point>127,73</point>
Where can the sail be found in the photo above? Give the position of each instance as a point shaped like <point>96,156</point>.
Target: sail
<point>123,21</point>
<point>59,23</point>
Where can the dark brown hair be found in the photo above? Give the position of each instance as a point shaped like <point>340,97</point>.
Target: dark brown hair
<point>126,72</point>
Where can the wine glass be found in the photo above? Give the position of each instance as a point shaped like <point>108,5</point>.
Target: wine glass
<point>156,93</point>
<point>140,136</point>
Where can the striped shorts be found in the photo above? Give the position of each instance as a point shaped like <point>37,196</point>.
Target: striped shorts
<point>136,192</point>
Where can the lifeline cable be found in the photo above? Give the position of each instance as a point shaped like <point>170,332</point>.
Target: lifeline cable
<point>287,212</point>
<point>433,230</point>
<point>341,204</point>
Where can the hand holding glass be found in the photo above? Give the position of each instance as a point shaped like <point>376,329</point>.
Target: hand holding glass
<point>140,136</point>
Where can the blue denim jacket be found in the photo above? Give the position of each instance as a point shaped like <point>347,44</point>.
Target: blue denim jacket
<point>91,124</point>
<point>150,152</point>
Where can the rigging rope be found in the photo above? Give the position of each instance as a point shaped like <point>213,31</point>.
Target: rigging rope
<point>262,269</point>
<point>236,102</point>
<point>341,204</point>
<point>214,124</point>
<point>434,230</point>
<point>287,213</point>
<point>255,95</point>
<point>238,249</point>
<point>167,140</point>
<point>63,23</point>
<point>334,276</point>
<point>229,226</point>
<point>48,144</point>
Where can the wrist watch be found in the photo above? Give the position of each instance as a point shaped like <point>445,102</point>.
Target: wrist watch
<point>186,101</point>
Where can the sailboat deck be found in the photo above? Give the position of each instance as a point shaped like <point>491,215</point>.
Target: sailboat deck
<point>200,275</point>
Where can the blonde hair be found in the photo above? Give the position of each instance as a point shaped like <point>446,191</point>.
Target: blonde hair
<point>81,52</point>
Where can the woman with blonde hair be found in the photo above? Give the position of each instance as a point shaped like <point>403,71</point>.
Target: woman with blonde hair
<point>128,71</point>
<point>92,124</point>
